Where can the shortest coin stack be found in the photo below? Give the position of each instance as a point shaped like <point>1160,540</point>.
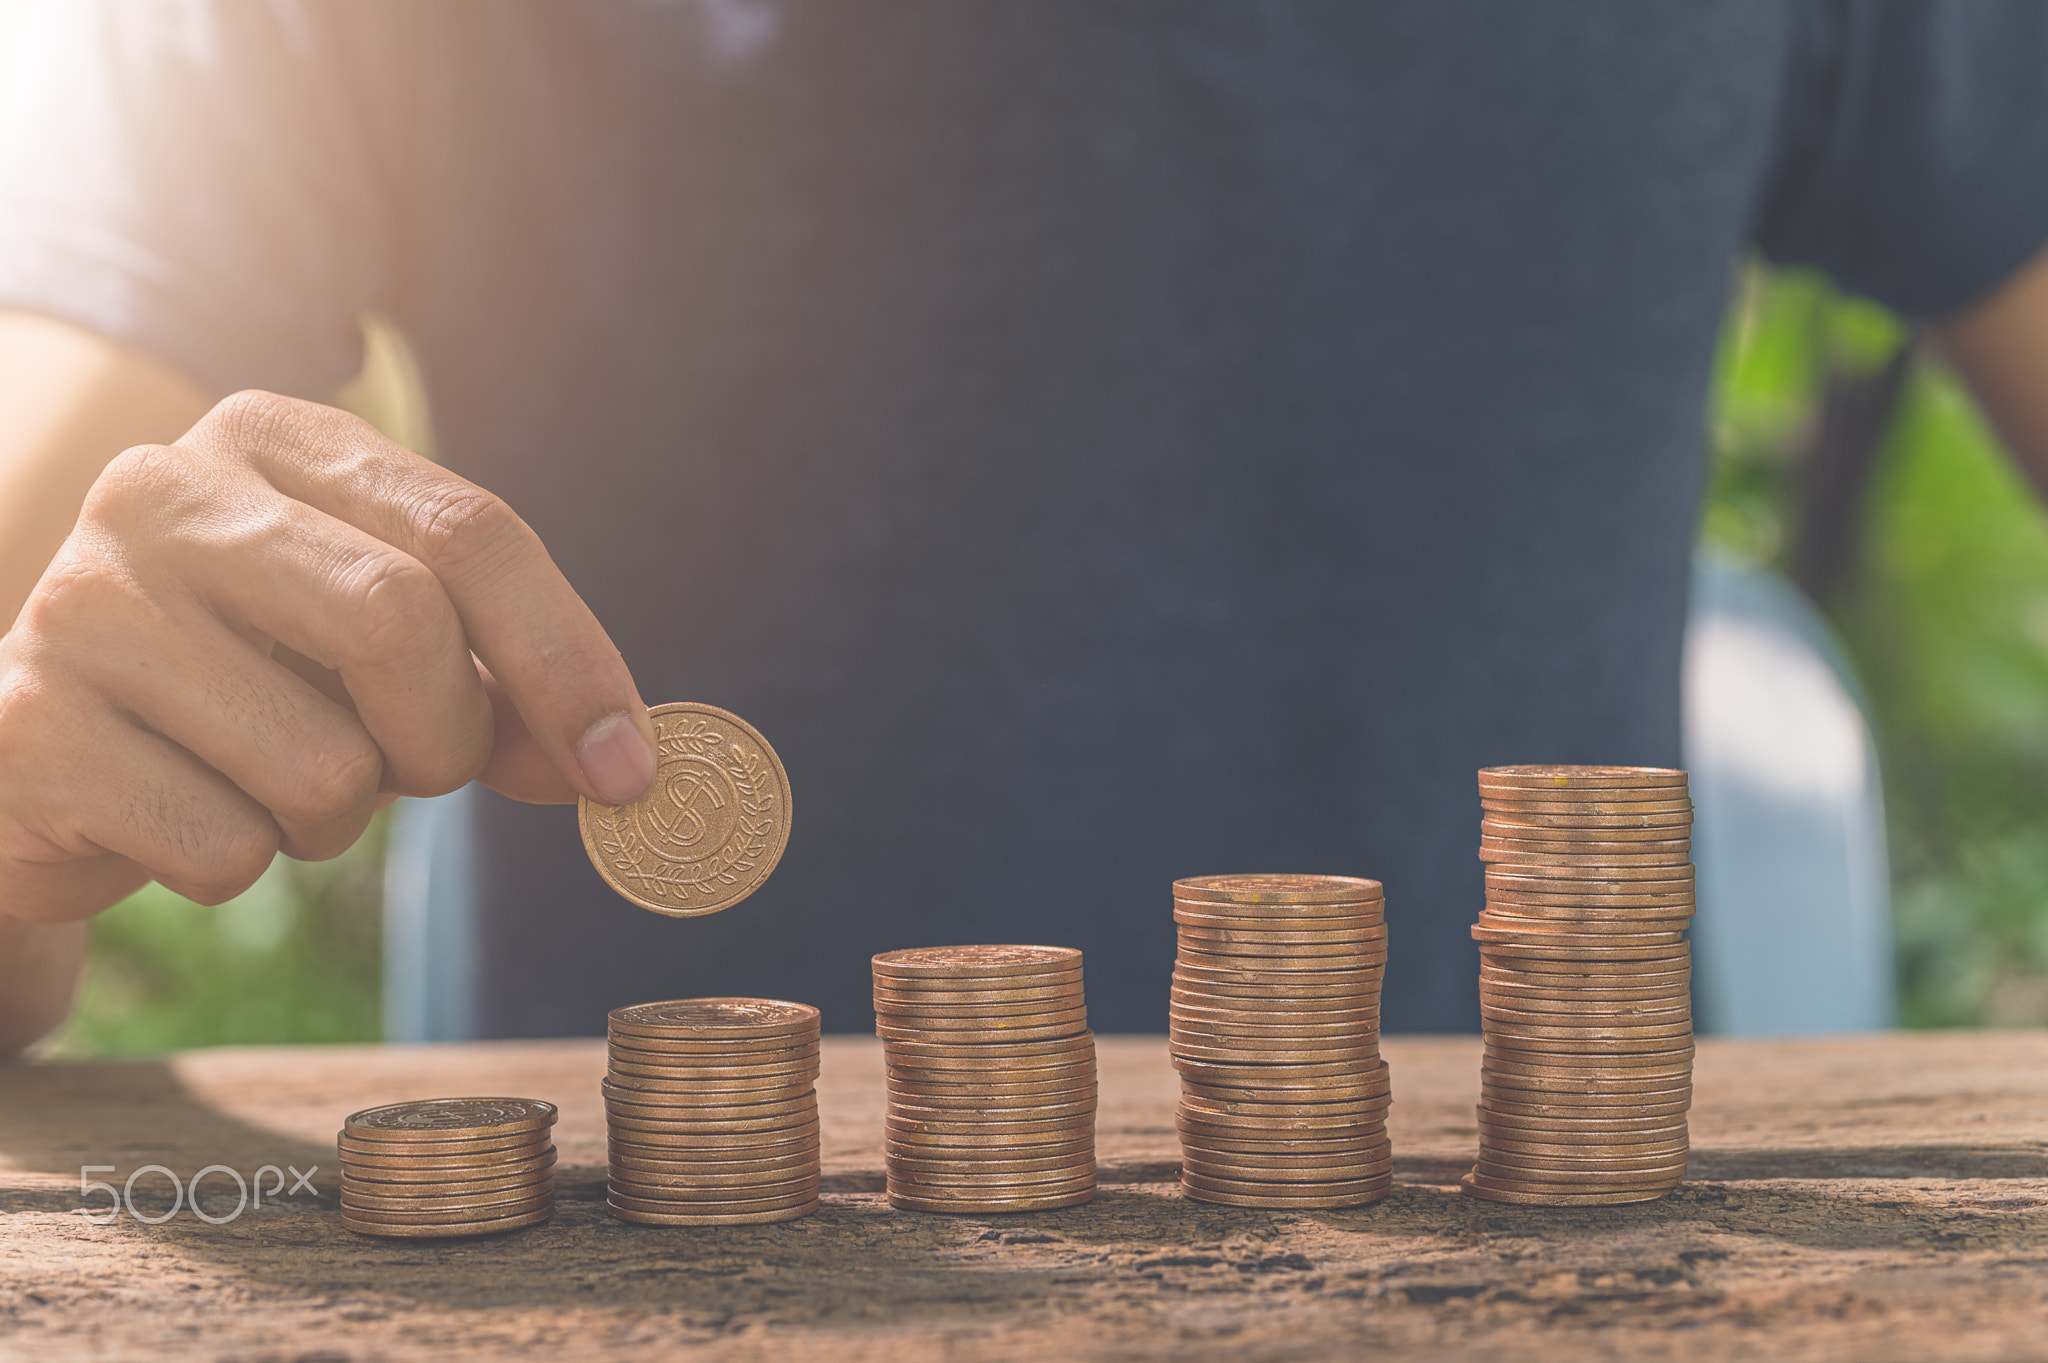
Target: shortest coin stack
<point>448,1166</point>
<point>991,1074</point>
<point>711,1112</point>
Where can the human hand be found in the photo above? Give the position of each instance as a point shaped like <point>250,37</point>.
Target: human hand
<point>256,636</point>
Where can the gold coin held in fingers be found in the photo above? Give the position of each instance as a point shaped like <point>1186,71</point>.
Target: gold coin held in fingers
<point>710,827</point>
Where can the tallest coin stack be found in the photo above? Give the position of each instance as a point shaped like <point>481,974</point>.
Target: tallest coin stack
<point>1584,984</point>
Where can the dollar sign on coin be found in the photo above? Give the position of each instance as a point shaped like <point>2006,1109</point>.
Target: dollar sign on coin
<point>711,825</point>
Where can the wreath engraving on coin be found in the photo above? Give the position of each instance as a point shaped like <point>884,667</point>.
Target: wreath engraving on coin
<point>711,826</point>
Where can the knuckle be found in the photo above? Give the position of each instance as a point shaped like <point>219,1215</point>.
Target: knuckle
<point>458,523</point>
<point>210,854</point>
<point>231,859</point>
<point>253,419</point>
<point>36,718</point>
<point>19,706</point>
<point>450,766</point>
<point>337,783</point>
<point>21,846</point>
<point>28,708</point>
<point>141,486</point>
<point>325,844</point>
<point>78,586</point>
<point>396,604</point>
<point>56,653</point>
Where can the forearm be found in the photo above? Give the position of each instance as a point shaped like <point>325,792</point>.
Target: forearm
<point>2000,348</point>
<point>69,402</point>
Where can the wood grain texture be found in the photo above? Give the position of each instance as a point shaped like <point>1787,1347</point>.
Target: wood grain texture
<point>1879,1197</point>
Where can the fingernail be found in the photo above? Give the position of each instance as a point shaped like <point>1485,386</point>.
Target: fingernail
<point>616,759</point>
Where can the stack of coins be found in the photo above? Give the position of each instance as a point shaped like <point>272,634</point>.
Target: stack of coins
<point>1275,1029</point>
<point>991,1073</point>
<point>1584,985</point>
<point>711,1112</point>
<point>448,1166</point>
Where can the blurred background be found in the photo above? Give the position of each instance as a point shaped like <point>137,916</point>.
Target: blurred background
<point>1843,456</point>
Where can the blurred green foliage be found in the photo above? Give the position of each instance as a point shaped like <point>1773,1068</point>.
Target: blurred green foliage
<point>296,958</point>
<point>1945,612</point>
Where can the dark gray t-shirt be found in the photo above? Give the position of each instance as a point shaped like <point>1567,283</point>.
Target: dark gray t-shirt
<point>1096,442</point>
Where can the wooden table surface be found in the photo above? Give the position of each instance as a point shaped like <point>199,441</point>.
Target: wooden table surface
<point>1869,1198</point>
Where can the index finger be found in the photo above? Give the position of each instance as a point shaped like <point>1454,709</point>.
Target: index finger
<point>522,618</point>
